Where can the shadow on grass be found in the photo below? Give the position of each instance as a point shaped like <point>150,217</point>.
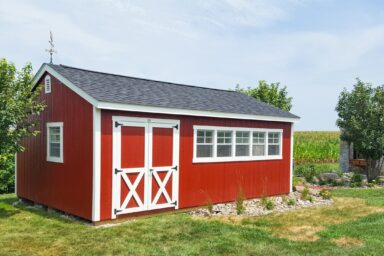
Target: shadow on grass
<point>10,205</point>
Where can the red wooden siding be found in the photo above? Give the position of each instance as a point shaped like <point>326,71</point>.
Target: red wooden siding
<point>201,183</point>
<point>66,186</point>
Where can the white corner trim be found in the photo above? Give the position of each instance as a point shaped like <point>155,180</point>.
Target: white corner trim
<point>96,164</point>
<point>291,160</point>
<point>234,158</point>
<point>187,112</point>
<point>53,158</point>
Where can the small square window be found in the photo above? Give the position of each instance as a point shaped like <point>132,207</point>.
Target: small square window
<point>55,142</point>
<point>204,143</point>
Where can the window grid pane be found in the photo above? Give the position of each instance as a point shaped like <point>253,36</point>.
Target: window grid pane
<point>204,147</point>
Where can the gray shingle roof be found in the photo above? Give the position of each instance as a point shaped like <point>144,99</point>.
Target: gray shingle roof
<point>113,88</point>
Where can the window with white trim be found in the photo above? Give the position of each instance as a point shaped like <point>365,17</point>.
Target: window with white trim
<point>55,142</point>
<point>242,143</point>
<point>223,144</point>
<point>47,84</point>
<point>273,143</point>
<point>258,144</point>
<point>204,145</point>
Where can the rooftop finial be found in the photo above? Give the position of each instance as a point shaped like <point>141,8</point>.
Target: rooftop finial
<point>51,50</point>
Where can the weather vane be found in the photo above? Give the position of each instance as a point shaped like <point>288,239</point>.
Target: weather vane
<point>51,50</point>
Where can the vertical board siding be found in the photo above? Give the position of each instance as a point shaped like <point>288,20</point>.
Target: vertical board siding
<point>202,183</point>
<point>65,186</point>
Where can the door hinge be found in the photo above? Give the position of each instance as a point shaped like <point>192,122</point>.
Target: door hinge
<point>174,203</point>
<point>117,124</point>
<point>116,211</point>
<point>117,171</point>
<point>174,168</point>
<point>176,127</point>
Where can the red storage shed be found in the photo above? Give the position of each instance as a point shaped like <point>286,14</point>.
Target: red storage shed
<point>112,146</point>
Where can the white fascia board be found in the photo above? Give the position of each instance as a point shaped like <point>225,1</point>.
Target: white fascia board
<point>187,112</point>
<point>65,81</point>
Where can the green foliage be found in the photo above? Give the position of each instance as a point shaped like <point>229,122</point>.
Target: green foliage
<point>309,171</point>
<point>269,93</point>
<point>325,193</point>
<point>356,180</point>
<point>240,208</point>
<point>360,117</point>
<point>267,203</point>
<point>19,108</point>
<point>316,147</point>
<point>305,194</point>
<point>291,202</point>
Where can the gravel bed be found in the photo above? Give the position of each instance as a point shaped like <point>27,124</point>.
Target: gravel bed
<point>253,207</point>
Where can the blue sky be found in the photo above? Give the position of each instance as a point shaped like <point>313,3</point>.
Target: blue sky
<point>315,48</point>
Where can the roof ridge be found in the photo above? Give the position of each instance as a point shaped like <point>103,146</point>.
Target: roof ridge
<point>139,78</point>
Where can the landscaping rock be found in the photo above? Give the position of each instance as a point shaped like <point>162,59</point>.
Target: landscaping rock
<point>254,207</point>
<point>328,176</point>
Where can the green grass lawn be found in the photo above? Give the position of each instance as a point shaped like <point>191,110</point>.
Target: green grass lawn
<point>354,225</point>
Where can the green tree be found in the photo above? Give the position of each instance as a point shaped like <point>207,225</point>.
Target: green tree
<point>269,93</point>
<point>19,108</point>
<point>361,120</point>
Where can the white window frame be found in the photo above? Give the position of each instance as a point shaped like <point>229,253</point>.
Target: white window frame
<point>206,143</point>
<point>223,143</point>
<point>235,158</point>
<point>54,158</point>
<point>47,79</point>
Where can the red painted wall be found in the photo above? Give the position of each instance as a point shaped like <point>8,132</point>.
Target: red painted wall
<point>201,183</point>
<point>65,186</point>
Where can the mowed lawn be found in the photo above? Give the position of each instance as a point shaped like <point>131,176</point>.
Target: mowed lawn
<point>354,225</point>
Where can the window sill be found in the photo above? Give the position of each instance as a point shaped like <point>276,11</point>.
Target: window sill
<point>235,159</point>
<point>55,160</point>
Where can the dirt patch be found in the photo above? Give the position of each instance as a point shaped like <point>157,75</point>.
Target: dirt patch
<point>346,241</point>
<point>302,233</point>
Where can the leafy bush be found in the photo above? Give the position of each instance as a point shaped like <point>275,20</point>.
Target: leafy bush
<point>305,194</point>
<point>291,202</point>
<point>325,194</point>
<point>267,203</point>
<point>7,176</point>
<point>356,180</point>
<point>270,205</point>
<point>310,171</point>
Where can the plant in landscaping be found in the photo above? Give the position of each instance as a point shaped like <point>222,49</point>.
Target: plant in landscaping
<point>240,208</point>
<point>325,194</point>
<point>210,207</point>
<point>356,180</point>
<point>267,203</point>
<point>361,119</point>
<point>305,194</point>
<point>291,202</point>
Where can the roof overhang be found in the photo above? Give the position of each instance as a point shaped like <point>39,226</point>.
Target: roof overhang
<point>152,109</point>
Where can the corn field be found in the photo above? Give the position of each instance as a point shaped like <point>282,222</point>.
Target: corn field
<point>316,147</point>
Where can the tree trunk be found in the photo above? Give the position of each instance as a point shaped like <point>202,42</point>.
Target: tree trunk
<point>373,168</point>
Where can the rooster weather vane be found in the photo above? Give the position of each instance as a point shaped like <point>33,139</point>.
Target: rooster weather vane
<point>51,50</point>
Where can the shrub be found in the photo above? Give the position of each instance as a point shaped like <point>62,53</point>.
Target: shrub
<point>356,180</point>
<point>240,208</point>
<point>267,203</point>
<point>284,198</point>
<point>305,194</point>
<point>210,207</point>
<point>270,205</point>
<point>325,194</point>
<point>291,202</point>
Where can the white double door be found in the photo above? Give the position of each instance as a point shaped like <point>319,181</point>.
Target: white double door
<point>145,164</point>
